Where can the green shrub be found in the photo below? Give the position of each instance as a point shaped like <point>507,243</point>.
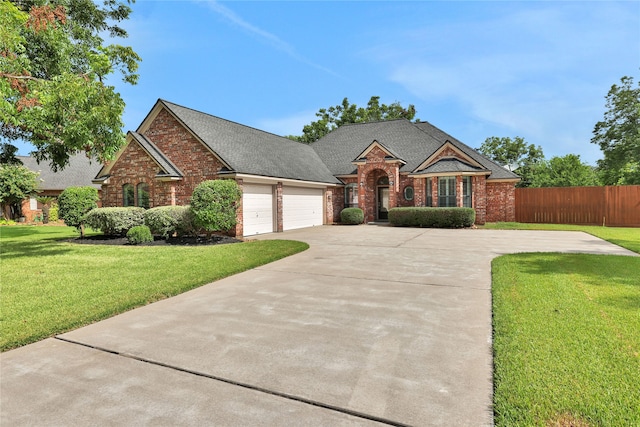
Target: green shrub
<point>114,221</point>
<point>213,204</point>
<point>53,212</point>
<point>432,217</point>
<point>351,216</point>
<point>74,203</point>
<point>139,234</point>
<point>167,220</point>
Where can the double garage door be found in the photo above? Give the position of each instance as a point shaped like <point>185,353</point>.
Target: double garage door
<point>301,207</point>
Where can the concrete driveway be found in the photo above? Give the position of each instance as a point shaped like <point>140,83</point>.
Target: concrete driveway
<point>372,325</point>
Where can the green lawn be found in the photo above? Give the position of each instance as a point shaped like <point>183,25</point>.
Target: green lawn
<point>567,335</point>
<point>49,286</point>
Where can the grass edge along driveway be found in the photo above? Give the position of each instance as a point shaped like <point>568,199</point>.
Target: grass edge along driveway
<point>50,286</point>
<point>567,335</point>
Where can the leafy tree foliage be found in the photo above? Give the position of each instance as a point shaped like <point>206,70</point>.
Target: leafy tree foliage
<point>16,184</point>
<point>54,65</point>
<point>515,154</point>
<point>565,171</point>
<point>333,117</point>
<point>618,135</point>
<point>8,154</point>
<point>213,204</point>
<point>74,203</point>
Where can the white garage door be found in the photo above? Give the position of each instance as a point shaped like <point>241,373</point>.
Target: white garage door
<point>257,209</point>
<point>301,207</point>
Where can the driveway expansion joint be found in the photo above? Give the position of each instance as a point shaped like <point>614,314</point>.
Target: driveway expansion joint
<point>287,396</point>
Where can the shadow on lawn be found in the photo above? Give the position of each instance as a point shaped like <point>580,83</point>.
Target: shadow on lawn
<point>618,272</point>
<point>38,248</point>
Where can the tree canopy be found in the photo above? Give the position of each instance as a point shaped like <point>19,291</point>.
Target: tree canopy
<point>618,135</point>
<point>333,117</point>
<point>514,154</point>
<point>565,171</point>
<point>54,66</point>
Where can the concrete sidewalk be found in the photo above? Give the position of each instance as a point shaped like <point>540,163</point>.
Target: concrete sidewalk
<point>372,325</point>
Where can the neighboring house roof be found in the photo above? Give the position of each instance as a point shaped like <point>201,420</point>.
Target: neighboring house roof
<point>79,172</point>
<point>247,150</point>
<point>412,142</point>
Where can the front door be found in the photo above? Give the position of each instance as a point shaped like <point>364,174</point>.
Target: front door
<point>383,203</point>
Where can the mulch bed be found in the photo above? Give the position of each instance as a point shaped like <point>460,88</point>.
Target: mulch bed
<point>158,241</point>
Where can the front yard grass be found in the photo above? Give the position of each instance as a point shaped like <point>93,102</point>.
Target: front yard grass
<point>49,286</point>
<point>567,335</point>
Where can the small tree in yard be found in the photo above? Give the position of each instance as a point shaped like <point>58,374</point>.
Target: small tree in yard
<point>74,203</point>
<point>46,202</point>
<point>214,204</point>
<point>16,184</point>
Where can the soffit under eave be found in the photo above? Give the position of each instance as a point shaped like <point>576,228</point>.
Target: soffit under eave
<point>447,144</point>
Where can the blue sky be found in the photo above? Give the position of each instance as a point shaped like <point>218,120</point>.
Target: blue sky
<point>536,69</point>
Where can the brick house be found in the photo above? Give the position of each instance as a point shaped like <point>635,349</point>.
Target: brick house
<point>286,185</point>
<point>79,172</point>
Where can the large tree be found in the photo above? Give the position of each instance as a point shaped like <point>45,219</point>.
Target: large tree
<point>565,171</point>
<point>618,135</point>
<point>54,66</point>
<point>514,154</point>
<point>333,117</point>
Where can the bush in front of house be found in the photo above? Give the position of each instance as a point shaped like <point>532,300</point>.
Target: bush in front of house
<point>139,234</point>
<point>351,216</point>
<point>432,217</point>
<point>114,221</point>
<point>74,203</point>
<point>169,220</point>
<point>214,204</point>
<point>53,212</point>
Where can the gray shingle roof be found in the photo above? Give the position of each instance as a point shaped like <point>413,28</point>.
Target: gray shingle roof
<point>252,151</point>
<point>447,165</point>
<point>79,172</point>
<point>497,171</point>
<point>170,170</point>
<point>412,142</point>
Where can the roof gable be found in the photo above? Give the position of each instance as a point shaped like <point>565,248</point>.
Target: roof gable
<point>167,169</point>
<point>447,150</point>
<point>413,142</point>
<point>247,150</point>
<point>375,145</point>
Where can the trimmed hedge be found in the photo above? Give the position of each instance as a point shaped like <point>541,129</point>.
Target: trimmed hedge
<point>169,220</point>
<point>114,221</point>
<point>432,217</point>
<point>139,234</point>
<point>214,204</point>
<point>351,216</point>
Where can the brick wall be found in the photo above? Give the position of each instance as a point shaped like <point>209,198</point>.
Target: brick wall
<point>501,201</point>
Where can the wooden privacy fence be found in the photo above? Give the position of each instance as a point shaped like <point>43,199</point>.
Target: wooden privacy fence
<point>617,206</point>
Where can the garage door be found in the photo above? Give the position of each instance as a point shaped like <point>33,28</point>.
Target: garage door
<point>257,209</point>
<point>301,207</point>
